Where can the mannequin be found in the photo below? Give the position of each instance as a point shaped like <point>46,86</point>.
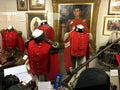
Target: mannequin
<point>48,30</point>
<point>10,27</point>
<point>41,61</point>
<point>79,45</point>
<point>12,39</point>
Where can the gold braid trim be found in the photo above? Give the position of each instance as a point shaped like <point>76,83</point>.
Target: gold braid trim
<point>19,33</point>
<point>1,31</point>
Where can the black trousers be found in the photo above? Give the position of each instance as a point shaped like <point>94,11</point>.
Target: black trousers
<point>76,61</point>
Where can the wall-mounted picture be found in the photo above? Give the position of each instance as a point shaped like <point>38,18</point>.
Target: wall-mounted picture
<point>37,4</point>
<point>33,20</point>
<point>114,7</point>
<point>111,24</point>
<point>22,5</point>
<point>71,15</point>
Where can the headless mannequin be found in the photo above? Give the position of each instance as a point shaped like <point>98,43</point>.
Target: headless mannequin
<point>79,30</point>
<point>12,39</point>
<point>39,38</point>
<point>43,22</point>
<point>77,60</point>
<point>48,30</point>
<point>41,60</point>
<point>79,46</point>
<point>10,27</point>
<point>41,77</point>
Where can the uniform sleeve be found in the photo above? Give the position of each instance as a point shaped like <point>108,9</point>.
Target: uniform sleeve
<point>54,66</point>
<point>50,33</point>
<point>67,55</point>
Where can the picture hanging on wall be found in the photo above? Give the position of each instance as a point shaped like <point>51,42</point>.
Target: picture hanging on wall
<point>37,4</point>
<point>33,20</point>
<point>111,24</point>
<point>114,7</point>
<point>66,16</point>
<point>22,5</point>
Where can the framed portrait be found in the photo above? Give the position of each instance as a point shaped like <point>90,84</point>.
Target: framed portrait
<point>37,4</point>
<point>114,7</point>
<point>67,16</point>
<point>111,24</point>
<point>62,8</point>
<point>33,20</point>
<point>22,5</point>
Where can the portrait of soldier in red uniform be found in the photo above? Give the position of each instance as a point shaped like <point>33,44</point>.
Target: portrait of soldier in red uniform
<point>72,15</point>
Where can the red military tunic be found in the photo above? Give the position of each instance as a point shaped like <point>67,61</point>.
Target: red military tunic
<point>11,39</point>
<point>67,55</point>
<point>71,24</point>
<point>48,30</point>
<point>79,44</point>
<point>41,61</point>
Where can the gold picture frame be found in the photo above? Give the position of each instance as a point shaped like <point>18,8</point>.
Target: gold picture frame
<point>93,25</point>
<point>33,20</point>
<point>22,5</point>
<point>37,4</point>
<point>114,7</point>
<point>111,24</point>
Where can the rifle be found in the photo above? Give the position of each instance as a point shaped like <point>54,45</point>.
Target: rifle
<point>66,81</point>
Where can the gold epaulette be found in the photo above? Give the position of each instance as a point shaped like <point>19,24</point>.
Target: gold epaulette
<point>19,33</point>
<point>1,31</point>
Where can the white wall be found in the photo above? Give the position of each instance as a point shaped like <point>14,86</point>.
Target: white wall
<point>10,16</point>
<point>103,11</point>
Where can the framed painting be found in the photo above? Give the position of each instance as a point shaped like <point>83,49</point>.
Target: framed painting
<point>71,15</point>
<point>33,20</point>
<point>89,9</point>
<point>22,5</point>
<point>37,4</point>
<point>114,7</point>
<point>111,24</point>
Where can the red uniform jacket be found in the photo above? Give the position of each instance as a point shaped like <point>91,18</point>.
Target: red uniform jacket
<point>48,30</point>
<point>11,39</point>
<point>79,44</point>
<point>71,24</point>
<point>41,61</point>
